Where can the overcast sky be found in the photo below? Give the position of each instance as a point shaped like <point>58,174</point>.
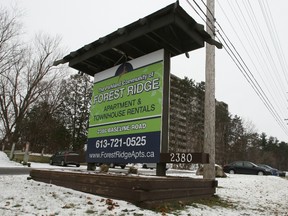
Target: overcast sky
<point>255,28</point>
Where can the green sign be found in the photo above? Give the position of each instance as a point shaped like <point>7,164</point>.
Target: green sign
<point>126,115</point>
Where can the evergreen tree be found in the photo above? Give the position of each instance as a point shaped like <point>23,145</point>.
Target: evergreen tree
<point>263,141</point>
<point>75,108</point>
<point>221,132</point>
<point>235,139</point>
<point>43,130</point>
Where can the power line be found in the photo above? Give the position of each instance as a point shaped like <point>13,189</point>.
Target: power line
<point>259,57</point>
<point>203,19</point>
<point>242,65</point>
<point>258,44</point>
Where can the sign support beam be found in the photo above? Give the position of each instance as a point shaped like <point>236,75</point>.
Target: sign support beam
<point>161,167</point>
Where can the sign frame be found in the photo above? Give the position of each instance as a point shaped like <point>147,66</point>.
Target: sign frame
<point>163,117</point>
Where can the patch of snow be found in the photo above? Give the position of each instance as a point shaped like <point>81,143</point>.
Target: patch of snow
<point>249,195</point>
<point>5,161</point>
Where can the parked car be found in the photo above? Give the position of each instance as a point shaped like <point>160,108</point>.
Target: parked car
<point>245,167</point>
<point>65,158</point>
<point>273,170</point>
<point>153,166</point>
<point>281,173</point>
<point>113,165</point>
<point>149,165</point>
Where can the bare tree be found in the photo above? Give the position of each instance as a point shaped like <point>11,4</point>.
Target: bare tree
<point>26,74</point>
<point>249,126</point>
<point>10,54</point>
<point>10,30</point>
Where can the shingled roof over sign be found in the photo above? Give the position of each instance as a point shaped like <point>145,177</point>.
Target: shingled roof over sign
<point>170,28</point>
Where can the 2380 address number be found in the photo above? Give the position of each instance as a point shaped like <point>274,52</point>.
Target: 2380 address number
<point>181,157</point>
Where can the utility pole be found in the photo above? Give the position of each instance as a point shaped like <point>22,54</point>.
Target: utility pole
<point>209,122</point>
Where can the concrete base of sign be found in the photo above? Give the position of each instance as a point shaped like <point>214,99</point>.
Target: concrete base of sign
<point>147,192</point>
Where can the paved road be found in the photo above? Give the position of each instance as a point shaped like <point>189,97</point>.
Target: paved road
<point>15,170</point>
<point>22,170</point>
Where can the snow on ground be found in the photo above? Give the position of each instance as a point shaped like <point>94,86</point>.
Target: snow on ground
<point>244,194</point>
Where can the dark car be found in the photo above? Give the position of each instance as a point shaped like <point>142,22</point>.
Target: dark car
<point>281,173</point>
<point>272,170</point>
<point>154,165</point>
<point>65,158</point>
<point>245,167</point>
